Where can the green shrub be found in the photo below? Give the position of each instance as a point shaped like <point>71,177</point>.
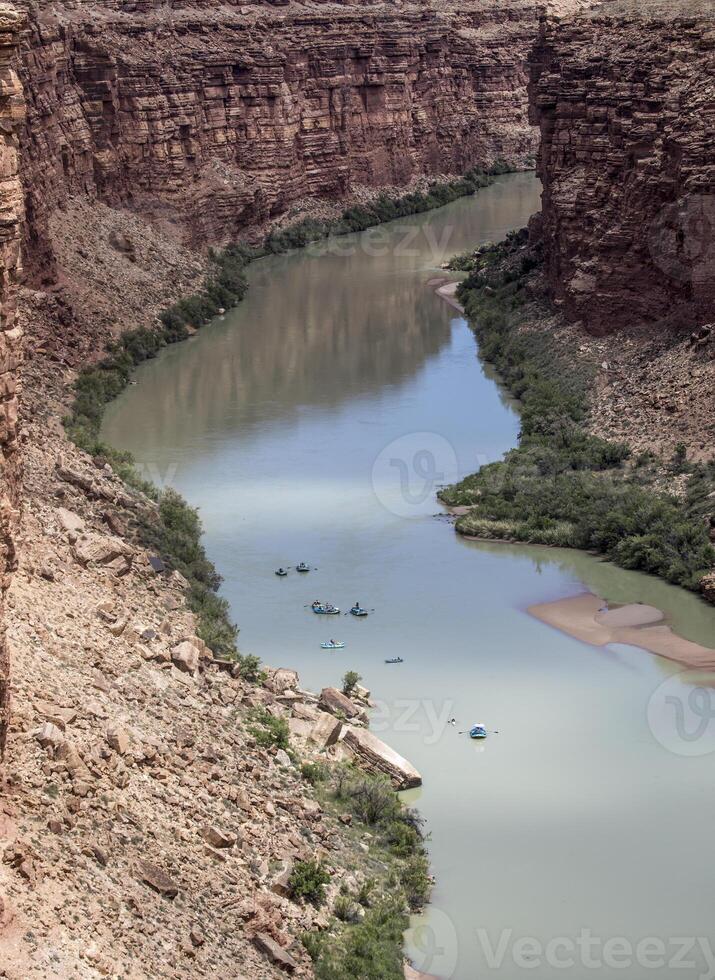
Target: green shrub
<point>269,731</point>
<point>249,667</point>
<point>370,950</point>
<point>350,682</point>
<point>307,881</point>
<point>314,773</point>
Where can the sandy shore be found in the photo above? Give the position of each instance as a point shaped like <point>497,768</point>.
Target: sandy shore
<point>447,289</point>
<point>587,618</point>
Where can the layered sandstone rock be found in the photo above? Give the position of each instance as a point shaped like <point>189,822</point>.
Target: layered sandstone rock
<point>218,117</point>
<point>11,214</point>
<point>625,100</point>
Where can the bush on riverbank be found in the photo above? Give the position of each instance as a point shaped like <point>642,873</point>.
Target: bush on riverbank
<point>562,486</point>
<point>373,947</point>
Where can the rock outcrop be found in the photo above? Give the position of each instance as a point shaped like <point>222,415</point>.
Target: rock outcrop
<point>217,117</point>
<point>11,216</point>
<point>372,754</point>
<point>625,100</point>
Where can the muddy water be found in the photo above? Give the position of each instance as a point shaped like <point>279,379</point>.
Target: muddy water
<point>314,424</point>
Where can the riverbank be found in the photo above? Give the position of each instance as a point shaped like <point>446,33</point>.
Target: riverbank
<point>564,485</point>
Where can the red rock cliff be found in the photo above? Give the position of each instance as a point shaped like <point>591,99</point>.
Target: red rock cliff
<point>11,213</point>
<point>625,99</point>
<point>217,117</point>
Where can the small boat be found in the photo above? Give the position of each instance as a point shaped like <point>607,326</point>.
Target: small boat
<point>302,567</point>
<point>333,645</point>
<point>325,609</point>
<point>395,660</point>
<point>478,731</point>
<point>281,572</point>
<point>358,611</point>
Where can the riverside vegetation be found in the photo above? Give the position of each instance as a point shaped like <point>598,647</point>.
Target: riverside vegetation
<point>175,534</point>
<point>562,486</point>
<point>367,937</point>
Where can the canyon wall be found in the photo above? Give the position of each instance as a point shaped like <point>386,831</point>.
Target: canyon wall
<point>625,100</point>
<point>11,214</point>
<point>214,117</point>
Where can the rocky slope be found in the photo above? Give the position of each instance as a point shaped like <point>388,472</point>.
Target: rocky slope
<point>216,117</point>
<point>625,100</point>
<point>11,215</point>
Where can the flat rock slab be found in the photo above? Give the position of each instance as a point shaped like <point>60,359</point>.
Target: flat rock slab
<point>157,879</point>
<point>275,953</point>
<point>375,756</point>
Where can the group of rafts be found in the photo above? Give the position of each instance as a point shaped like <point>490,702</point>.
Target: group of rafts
<point>328,609</point>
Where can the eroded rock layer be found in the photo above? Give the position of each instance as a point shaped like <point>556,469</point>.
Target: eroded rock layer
<point>218,117</point>
<point>625,100</point>
<point>11,214</point>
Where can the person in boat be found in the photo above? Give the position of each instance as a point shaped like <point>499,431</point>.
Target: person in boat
<point>333,643</point>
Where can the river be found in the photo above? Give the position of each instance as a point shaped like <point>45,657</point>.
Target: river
<point>314,423</point>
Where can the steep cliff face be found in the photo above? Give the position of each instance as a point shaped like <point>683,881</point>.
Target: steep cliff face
<point>218,117</point>
<point>11,212</point>
<point>625,100</point>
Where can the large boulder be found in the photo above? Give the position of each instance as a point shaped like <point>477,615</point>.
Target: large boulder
<point>280,679</point>
<point>373,755</point>
<point>334,701</point>
<point>186,657</point>
<point>100,549</point>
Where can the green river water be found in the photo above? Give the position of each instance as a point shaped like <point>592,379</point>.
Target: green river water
<point>315,423</point>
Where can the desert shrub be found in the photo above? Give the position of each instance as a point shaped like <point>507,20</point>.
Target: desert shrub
<point>371,949</point>
<point>307,881</point>
<point>314,773</point>
<point>350,682</point>
<point>249,667</point>
<point>269,731</point>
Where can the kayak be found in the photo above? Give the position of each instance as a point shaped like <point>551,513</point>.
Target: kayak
<point>325,609</point>
<point>358,611</point>
<point>395,660</point>
<point>333,646</point>
<point>478,731</point>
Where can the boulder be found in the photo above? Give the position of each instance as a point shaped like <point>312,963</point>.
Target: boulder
<point>278,680</point>
<point>218,838</point>
<point>69,521</point>
<point>326,730</point>
<point>157,879</point>
<point>334,701</point>
<point>186,657</point>
<point>275,953</point>
<point>373,755</point>
<point>118,739</point>
<point>49,735</point>
<point>100,549</point>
